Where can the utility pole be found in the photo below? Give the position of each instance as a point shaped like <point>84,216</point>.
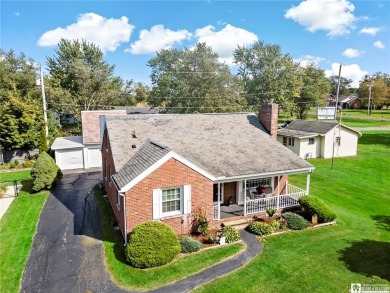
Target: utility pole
<point>44,106</point>
<point>335,114</point>
<point>337,94</point>
<point>369,100</point>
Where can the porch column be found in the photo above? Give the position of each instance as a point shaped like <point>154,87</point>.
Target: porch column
<point>278,199</point>
<point>245,197</point>
<point>219,201</point>
<point>307,183</point>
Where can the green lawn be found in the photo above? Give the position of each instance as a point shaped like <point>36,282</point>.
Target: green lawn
<point>361,122</point>
<point>17,175</point>
<point>143,279</point>
<point>356,250</point>
<point>17,230</point>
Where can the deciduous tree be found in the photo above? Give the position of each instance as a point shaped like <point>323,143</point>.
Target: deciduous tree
<point>313,92</point>
<point>268,74</point>
<point>79,78</point>
<point>193,80</point>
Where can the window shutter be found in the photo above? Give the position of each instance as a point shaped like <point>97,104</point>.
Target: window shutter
<point>156,203</point>
<point>187,199</point>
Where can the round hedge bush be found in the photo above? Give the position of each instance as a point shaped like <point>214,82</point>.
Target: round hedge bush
<point>151,244</point>
<point>295,222</point>
<point>260,228</point>
<point>45,173</point>
<point>314,206</point>
<point>231,234</point>
<point>189,244</point>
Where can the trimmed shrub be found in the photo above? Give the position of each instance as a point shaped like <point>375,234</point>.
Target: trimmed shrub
<point>45,173</point>
<point>274,224</point>
<point>314,206</point>
<point>260,228</point>
<point>151,244</point>
<point>295,222</point>
<point>189,244</point>
<point>231,234</point>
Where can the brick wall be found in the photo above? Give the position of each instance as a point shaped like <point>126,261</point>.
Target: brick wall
<point>282,184</point>
<point>268,115</point>
<point>139,199</point>
<point>230,189</point>
<point>109,186</point>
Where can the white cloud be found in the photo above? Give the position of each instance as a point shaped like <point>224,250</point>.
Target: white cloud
<point>370,30</point>
<point>334,16</point>
<point>352,53</point>
<point>156,39</point>
<point>379,45</point>
<point>307,59</point>
<point>351,71</point>
<point>107,33</point>
<point>226,40</point>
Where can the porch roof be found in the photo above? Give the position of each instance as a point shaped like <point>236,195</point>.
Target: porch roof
<point>296,133</point>
<point>224,145</point>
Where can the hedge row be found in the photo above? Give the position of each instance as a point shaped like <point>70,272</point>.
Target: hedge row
<point>314,206</point>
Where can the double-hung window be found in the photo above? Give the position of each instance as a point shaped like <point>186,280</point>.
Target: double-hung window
<point>291,141</point>
<point>311,140</point>
<point>171,200</point>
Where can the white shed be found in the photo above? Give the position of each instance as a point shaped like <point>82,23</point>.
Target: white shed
<point>319,139</point>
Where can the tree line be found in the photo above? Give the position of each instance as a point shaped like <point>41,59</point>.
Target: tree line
<point>189,80</point>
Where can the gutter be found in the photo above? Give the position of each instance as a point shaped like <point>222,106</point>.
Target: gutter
<point>254,176</point>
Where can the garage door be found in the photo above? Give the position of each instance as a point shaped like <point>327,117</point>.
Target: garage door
<point>70,159</point>
<point>94,158</point>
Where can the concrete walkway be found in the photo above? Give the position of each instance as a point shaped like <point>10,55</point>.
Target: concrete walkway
<point>67,254</point>
<point>6,201</point>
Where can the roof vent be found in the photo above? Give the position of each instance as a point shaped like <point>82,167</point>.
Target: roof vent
<point>134,146</point>
<point>133,134</point>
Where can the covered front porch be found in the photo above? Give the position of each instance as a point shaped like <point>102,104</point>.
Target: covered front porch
<point>254,195</point>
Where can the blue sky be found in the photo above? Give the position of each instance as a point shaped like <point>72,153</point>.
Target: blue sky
<point>329,32</point>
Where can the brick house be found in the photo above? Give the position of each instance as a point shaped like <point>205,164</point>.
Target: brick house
<point>163,167</point>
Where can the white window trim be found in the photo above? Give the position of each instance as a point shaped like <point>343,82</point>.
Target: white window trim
<point>311,139</point>
<point>173,213</point>
<point>291,141</point>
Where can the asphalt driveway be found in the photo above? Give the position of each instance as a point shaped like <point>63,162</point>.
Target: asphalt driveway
<point>67,254</point>
<point>67,250</point>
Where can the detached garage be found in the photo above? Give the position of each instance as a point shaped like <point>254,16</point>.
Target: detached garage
<point>83,152</point>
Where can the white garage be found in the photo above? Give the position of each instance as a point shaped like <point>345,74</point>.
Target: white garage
<point>70,159</point>
<point>69,152</point>
<point>94,157</point>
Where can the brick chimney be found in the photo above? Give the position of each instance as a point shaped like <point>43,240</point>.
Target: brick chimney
<point>268,115</point>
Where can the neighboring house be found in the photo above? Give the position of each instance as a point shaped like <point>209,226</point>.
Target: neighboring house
<point>319,139</point>
<point>76,152</point>
<point>350,102</point>
<point>163,167</point>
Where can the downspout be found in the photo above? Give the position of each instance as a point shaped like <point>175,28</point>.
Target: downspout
<point>124,218</point>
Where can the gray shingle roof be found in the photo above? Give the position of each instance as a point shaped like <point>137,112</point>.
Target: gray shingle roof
<point>145,157</point>
<point>295,133</point>
<point>319,127</point>
<point>224,145</point>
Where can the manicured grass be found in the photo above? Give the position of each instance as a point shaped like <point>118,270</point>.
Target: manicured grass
<point>362,113</point>
<point>17,175</point>
<point>356,250</point>
<point>361,122</point>
<point>143,279</point>
<point>17,230</point>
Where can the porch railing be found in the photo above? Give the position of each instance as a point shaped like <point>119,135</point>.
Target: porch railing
<point>290,199</point>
